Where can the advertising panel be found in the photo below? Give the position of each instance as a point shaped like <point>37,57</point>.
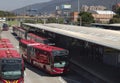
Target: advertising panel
<point>66,6</point>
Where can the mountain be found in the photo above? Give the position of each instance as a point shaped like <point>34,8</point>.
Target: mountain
<point>48,7</point>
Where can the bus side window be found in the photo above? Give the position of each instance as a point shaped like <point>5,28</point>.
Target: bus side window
<point>47,59</point>
<point>37,53</point>
<point>44,58</point>
<point>32,52</point>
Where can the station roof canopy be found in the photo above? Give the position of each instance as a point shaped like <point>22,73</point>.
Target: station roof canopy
<point>104,37</point>
<point>107,25</point>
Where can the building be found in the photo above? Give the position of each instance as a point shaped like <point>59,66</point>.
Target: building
<point>96,8</point>
<point>86,8</point>
<point>74,16</point>
<point>102,16</point>
<point>58,11</point>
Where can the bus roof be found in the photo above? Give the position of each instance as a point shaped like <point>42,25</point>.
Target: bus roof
<point>4,40</point>
<point>19,28</point>
<point>22,30</point>
<point>47,47</point>
<point>40,45</point>
<point>38,37</point>
<point>27,41</point>
<point>9,54</point>
<point>6,45</point>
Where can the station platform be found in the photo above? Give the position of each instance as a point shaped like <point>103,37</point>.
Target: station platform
<point>107,73</point>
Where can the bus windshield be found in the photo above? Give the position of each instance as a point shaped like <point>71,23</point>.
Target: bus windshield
<point>11,71</point>
<point>60,61</point>
<point>46,41</point>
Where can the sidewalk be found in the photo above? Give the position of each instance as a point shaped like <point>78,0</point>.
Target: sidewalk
<point>105,72</point>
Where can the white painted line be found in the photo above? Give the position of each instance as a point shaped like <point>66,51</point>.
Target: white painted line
<point>25,74</point>
<point>17,46</point>
<point>72,80</point>
<point>61,80</point>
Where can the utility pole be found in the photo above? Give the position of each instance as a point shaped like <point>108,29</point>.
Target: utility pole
<point>79,12</point>
<point>78,6</point>
<point>0,32</point>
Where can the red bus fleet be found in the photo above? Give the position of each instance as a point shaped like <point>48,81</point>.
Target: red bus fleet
<point>22,34</point>
<point>31,36</point>
<point>4,40</point>
<point>52,59</point>
<point>11,64</point>
<point>19,32</point>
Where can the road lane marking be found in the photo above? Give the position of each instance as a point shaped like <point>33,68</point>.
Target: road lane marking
<point>72,80</point>
<point>25,74</point>
<point>61,80</point>
<point>17,46</point>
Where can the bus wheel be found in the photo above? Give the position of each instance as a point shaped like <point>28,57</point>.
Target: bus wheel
<point>31,61</point>
<point>22,57</point>
<point>44,67</point>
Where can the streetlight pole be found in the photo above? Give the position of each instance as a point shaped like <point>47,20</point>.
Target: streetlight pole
<point>78,6</point>
<point>79,12</point>
<point>0,31</point>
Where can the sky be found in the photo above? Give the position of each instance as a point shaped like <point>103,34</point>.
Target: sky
<point>9,5</point>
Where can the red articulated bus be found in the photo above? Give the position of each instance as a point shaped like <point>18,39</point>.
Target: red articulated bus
<point>52,59</point>
<point>19,32</point>
<point>4,40</point>
<point>11,64</point>
<point>6,45</point>
<point>15,29</point>
<point>22,34</point>
<point>31,36</point>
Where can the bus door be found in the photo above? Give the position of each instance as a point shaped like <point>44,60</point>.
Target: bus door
<point>30,53</point>
<point>26,33</point>
<point>28,36</point>
<point>47,63</point>
<point>43,58</point>
<point>22,34</point>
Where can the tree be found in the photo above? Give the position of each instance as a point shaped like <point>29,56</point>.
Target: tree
<point>118,11</point>
<point>116,18</point>
<point>51,20</point>
<point>86,18</point>
<point>29,21</point>
<point>5,13</point>
<point>40,21</point>
<point>60,20</point>
<point>55,20</point>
